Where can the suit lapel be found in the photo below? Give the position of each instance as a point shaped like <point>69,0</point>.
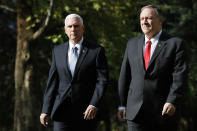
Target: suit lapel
<point>65,60</point>
<point>140,53</point>
<point>82,55</point>
<point>158,48</point>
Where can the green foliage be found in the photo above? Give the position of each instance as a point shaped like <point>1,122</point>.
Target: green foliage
<point>55,38</point>
<point>110,23</point>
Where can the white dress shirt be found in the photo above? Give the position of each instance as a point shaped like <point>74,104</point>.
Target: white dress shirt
<point>71,45</point>
<point>154,42</point>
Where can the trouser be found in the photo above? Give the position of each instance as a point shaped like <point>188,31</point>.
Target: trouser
<point>68,118</point>
<point>77,125</point>
<point>147,121</point>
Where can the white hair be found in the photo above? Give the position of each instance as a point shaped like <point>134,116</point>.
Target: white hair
<point>70,16</point>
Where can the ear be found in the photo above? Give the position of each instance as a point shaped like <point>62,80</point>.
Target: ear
<point>65,29</point>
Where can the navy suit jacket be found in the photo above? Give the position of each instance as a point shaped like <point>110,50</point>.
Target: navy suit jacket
<point>163,81</point>
<point>87,85</point>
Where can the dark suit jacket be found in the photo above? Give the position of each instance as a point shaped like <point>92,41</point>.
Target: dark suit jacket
<point>163,81</point>
<point>85,88</point>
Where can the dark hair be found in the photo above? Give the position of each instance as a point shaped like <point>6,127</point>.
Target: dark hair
<point>156,10</point>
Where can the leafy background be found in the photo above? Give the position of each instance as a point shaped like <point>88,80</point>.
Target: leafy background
<point>108,22</point>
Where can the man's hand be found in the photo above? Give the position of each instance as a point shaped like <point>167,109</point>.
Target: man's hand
<point>122,115</point>
<point>44,119</point>
<point>168,109</point>
<point>90,112</point>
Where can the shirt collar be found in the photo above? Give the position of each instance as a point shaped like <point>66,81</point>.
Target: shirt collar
<point>155,38</point>
<point>78,45</point>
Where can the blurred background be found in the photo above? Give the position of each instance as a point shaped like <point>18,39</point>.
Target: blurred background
<point>29,29</point>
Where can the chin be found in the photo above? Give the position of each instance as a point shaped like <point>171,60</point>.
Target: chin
<point>146,32</point>
<point>73,38</point>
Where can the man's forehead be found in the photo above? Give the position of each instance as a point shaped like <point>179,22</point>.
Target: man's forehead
<point>148,12</point>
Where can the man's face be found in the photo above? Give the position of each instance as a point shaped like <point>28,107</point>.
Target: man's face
<point>150,22</point>
<point>74,29</point>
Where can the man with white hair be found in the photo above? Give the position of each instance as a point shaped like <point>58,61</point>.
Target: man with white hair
<point>76,82</point>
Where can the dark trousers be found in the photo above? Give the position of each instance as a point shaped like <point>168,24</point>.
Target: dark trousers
<point>70,118</point>
<point>79,125</point>
<point>147,121</point>
<point>133,126</point>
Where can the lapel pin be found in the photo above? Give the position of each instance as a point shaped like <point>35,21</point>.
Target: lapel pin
<point>83,51</point>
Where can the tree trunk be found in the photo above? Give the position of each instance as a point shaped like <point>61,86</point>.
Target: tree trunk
<point>25,113</point>
<point>23,73</point>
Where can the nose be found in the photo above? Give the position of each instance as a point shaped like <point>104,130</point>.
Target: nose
<point>72,28</point>
<point>145,20</point>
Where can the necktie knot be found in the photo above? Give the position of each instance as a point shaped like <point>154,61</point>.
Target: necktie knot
<point>148,42</point>
<point>74,50</point>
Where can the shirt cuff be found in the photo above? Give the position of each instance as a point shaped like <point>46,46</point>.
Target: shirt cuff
<point>121,108</point>
<point>93,106</point>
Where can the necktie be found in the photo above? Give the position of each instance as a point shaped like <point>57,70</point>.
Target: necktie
<point>147,54</point>
<point>73,59</point>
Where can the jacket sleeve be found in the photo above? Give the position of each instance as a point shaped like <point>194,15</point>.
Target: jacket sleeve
<point>51,88</point>
<point>102,77</point>
<point>179,75</point>
<point>124,79</point>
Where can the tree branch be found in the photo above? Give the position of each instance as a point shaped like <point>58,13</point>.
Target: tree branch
<point>42,28</point>
<point>7,8</point>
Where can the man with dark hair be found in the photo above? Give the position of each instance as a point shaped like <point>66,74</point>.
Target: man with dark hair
<point>152,77</point>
